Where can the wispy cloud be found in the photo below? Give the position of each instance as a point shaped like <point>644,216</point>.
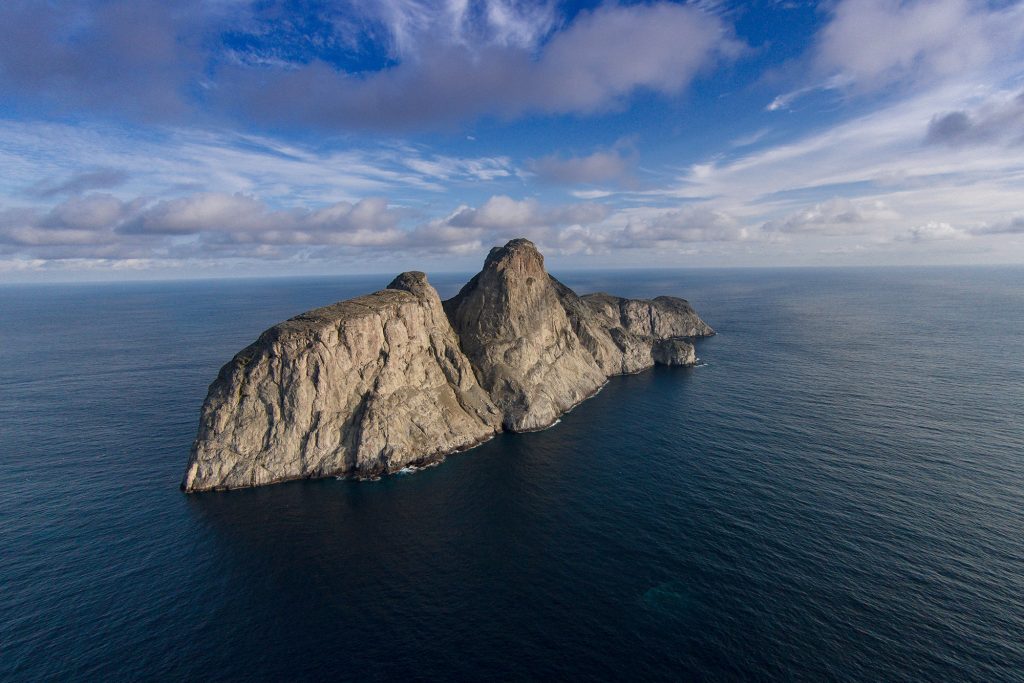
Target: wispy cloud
<point>1011,226</point>
<point>879,159</point>
<point>605,166</point>
<point>875,42</point>
<point>868,45</point>
<point>34,158</point>
<point>79,182</point>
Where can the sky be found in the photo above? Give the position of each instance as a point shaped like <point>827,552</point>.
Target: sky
<point>209,138</point>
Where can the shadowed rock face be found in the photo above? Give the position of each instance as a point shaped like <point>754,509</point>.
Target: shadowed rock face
<point>519,339</point>
<point>370,385</point>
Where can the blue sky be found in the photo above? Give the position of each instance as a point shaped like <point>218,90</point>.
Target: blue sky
<point>230,137</point>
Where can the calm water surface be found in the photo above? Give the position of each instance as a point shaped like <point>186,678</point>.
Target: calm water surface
<point>838,494</point>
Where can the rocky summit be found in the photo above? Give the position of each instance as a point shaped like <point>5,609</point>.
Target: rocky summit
<point>368,386</point>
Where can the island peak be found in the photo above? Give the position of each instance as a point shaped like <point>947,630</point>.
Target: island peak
<point>371,385</point>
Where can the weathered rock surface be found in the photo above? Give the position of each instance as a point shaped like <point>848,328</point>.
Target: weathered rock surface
<point>624,334</point>
<point>519,339</point>
<point>368,386</point>
<point>674,352</point>
<point>364,386</point>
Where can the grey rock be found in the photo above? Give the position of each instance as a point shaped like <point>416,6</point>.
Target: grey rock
<point>674,351</point>
<point>624,335</point>
<point>396,378</point>
<point>361,387</point>
<point>519,339</point>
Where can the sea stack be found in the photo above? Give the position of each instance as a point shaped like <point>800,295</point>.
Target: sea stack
<point>396,378</point>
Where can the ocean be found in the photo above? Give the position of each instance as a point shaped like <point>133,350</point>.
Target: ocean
<point>835,493</point>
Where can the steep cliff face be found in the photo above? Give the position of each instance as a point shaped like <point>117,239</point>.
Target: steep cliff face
<point>630,335</point>
<point>367,386</point>
<point>659,318</point>
<point>364,387</point>
<point>517,335</point>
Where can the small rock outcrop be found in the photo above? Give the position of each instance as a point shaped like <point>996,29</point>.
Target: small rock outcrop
<point>396,378</point>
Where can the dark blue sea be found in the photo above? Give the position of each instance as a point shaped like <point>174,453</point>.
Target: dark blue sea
<point>836,493</point>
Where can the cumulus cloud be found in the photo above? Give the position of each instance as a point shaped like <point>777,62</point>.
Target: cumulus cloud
<point>91,212</point>
<point>837,216</point>
<point>242,226</point>
<point>585,228</point>
<point>469,229</point>
<point>141,227</point>
<point>244,219</point>
<point>211,211</point>
<point>934,230</point>
<point>688,224</point>
<point>450,61</point>
<point>600,58</point>
<point>75,221</point>
<point>502,213</point>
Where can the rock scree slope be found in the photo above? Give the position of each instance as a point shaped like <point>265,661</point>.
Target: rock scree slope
<point>371,385</point>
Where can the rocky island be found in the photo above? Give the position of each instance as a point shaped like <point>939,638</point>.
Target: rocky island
<point>397,378</point>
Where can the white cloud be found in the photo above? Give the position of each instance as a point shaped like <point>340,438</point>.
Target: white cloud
<point>997,120</point>
<point>502,214</point>
<point>869,45</point>
<point>875,42</point>
<point>837,216</point>
<point>595,62</point>
<point>935,230</point>
<point>688,224</point>
<point>583,228</point>
<point>483,169</point>
<point>245,219</point>
<point>87,220</point>
<point>591,194</point>
<point>140,227</point>
<point>411,23</point>
<point>614,50</point>
<point>603,166</point>
<point>1011,226</point>
<point>870,174</point>
<point>38,160</point>
<point>227,226</point>
<point>210,211</point>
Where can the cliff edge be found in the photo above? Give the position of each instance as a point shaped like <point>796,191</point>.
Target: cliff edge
<point>396,378</point>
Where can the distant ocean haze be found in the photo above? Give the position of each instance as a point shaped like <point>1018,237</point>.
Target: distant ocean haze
<point>835,494</point>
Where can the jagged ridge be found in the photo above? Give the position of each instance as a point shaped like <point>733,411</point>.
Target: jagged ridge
<point>370,385</point>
